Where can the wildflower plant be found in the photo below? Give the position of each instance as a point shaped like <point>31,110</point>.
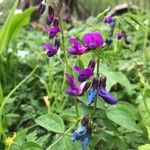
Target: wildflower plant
<point>85,109</point>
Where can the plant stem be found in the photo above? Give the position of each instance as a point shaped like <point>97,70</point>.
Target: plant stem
<point>49,148</point>
<point>63,44</point>
<point>95,104</point>
<point>76,106</point>
<point>144,101</point>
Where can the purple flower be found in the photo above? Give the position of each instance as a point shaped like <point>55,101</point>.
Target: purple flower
<point>119,35</point>
<point>56,22</point>
<point>41,7</point>
<point>107,97</point>
<point>83,133</point>
<point>86,73</point>
<point>52,31</point>
<point>51,50</point>
<point>74,89</point>
<point>109,19</point>
<point>93,40</point>
<point>50,17</point>
<point>77,48</point>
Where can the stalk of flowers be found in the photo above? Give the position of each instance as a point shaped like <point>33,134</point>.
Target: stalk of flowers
<point>91,41</point>
<point>52,28</point>
<point>97,87</point>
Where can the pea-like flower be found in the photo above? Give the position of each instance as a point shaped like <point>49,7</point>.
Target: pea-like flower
<point>119,35</point>
<point>52,31</point>
<point>110,20</point>
<point>77,48</point>
<point>83,133</point>
<point>99,87</point>
<point>50,49</point>
<point>41,7</point>
<point>93,40</point>
<point>50,17</point>
<point>107,97</point>
<point>92,93</point>
<point>86,73</point>
<point>74,89</point>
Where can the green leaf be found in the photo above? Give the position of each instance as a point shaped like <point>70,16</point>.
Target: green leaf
<point>115,77</point>
<point>30,146</point>
<point>144,147</point>
<point>122,114</point>
<point>4,29</point>
<point>51,122</point>
<point>13,25</point>
<point>104,13</point>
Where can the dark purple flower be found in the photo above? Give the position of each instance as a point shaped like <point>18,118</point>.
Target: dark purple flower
<point>107,97</point>
<point>86,73</point>
<point>41,7</point>
<point>109,19</point>
<point>126,40</point>
<point>50,49</point>
<point>108,41</point>
<point>56,22</point>
<point>77,48</point>
<point>50,17</point>
<point>52,31</point>
<point>83,133</point>
<point>93,40</point>
<point>119,35</point>
<point>92,93</point>
<point>74,89</point>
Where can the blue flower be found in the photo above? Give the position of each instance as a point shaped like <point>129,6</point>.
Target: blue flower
<point>99,87</point>
<point>83,133</point>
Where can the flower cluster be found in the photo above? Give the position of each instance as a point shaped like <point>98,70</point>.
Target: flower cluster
<point>120,35</point>
<point>52,27</point>
<point>83,132</point>
<point>92,40</point>
<point>124,37</point>
<point>97,87</point>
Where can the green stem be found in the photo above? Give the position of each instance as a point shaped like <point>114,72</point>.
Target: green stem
<point>76,106</point>
<point>63,44</point>
<point>49,148</point>
<point>95,104</point>
<point>144,101</point>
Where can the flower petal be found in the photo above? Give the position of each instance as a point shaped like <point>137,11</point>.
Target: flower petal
<point>91,95</point>
<point>71,81</point>
<point>107,97</point>
<point>87,38</point>
<point>98,39</point>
